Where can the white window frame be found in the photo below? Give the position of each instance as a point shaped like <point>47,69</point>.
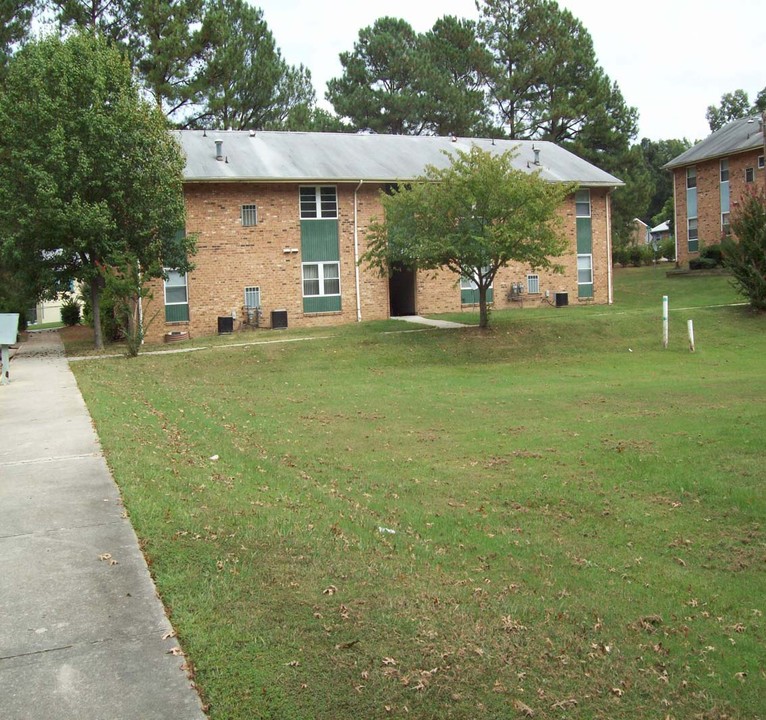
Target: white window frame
<point>589,257</point>
<point>252,296</point>
<point>470,283</point>
<point>248,215</point>
<point>318,211</point>
<point>691,177</point>
<point>724,168</point>
<point>185,285</point>
<point>579,201</point>
<point>321,278</point>
<point>533,284</point>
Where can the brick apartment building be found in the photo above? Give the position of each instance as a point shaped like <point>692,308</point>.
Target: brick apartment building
<point>281,220</point>
<point>709,181</point>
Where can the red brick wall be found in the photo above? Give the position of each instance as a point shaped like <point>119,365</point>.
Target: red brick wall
<point>709,199</point>
<point>230,257</point>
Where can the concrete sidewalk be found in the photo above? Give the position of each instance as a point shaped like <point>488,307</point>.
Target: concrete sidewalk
<point>418,320</point>
<point>81,636</point>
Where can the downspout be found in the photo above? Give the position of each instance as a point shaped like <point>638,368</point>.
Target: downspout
<point>609,298</point>
<point>356,254</point>
<point>140,305</point>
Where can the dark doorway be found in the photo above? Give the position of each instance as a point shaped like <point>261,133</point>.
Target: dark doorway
<point>401,291</point>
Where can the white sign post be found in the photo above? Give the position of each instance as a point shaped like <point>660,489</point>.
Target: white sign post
<point>9,331</point>
<point>665,321</point>
<point>690,326</point>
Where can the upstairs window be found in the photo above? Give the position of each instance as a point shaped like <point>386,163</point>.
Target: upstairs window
<point>749,175</point>
<point>760,162</point>
<point>318,202</point>
<point>582,203</point>
<point>249,215</point>
<point>691,177</point>
<point>724,170</point>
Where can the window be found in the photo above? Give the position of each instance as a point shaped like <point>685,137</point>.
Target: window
<point>691,228</point>
<point>176,297</point>
<point>725,170</point>
<point>760,162</point>
<point>318,202</point>
<point>321,279</point>
<point>749,175</point>
<point>582,203</point>
<point>691,177</point>
<point>584,269</point>
<point>469,289</point>
<point>725,224</point>
<point>252,297</point>
<point>249,215</point>
<point>533,284</point>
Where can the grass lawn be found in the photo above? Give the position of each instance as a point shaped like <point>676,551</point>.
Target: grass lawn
<point>554,517</point>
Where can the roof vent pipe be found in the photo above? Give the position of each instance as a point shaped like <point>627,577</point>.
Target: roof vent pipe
<point>537,155</point>
<point>219,149</point>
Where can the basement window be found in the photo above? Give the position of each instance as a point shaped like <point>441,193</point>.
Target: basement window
<point>249,215</point>
<point>252,297</point>
<point>533,284</point>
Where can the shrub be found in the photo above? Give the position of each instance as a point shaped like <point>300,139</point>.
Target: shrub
<point>713,252</point>
<point>110,328</point>
<point>668,249</point>
<point>620,255</point>
<point>702,263</point>
<point>70,312</point>
<point>636,256</point>
<point>745,252</point>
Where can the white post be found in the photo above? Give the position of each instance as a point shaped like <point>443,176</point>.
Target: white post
<point>690,325</point>
<point>6,362</point>
<point>665,321</point>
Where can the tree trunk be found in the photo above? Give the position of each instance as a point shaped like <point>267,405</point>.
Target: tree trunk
<point>96,287</point>
<point>483,310</point>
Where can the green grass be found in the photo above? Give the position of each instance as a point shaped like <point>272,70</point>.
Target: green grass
<point>578,513</point>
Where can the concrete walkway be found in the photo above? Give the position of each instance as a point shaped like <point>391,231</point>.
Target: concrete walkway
<point>426,321</point>
<point>82,633</point>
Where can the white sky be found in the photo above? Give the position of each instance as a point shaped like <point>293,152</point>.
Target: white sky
<point>671,58</point>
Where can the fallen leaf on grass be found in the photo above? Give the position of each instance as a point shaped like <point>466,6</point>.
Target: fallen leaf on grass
<point>330,590</point>
<point>389,661</point>
<point>346,645</point>
<point>293,663</point>
<point>169,634</point>
<point>561,704</point>
<point>523,708</point>
<point>740,676</point>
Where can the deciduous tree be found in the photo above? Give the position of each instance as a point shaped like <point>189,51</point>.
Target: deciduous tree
<point>733,105</point>
<point>91,178</point>
<point>472,218</point>
<point>744,252</point>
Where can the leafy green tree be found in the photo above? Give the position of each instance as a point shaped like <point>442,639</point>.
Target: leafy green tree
<point>452,67</point>
<point>744,251</point>
<point>15,24</point>
<point>168,45</point>
<point>91,178</point>
<point>109,17</point>
<point>656,154</point>
<point>248,84</point>
<point>733,106</point>
<point>472,218</point>
<point>545,81</point>
<point>379,88</point>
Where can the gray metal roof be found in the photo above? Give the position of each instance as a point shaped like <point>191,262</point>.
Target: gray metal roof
<point>734,137</point>
<point>338,157</point>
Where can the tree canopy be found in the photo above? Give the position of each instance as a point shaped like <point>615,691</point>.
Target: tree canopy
<point>744,252</point>
<point>733,106</point>
<point>472,218</point>
<point>91,178</point>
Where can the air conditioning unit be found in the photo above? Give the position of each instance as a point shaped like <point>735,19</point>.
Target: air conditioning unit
<point>562,299</point>
<point>279,319</point>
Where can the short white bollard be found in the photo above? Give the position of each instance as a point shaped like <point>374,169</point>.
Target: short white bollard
<point>665,321</point>
<point>690,325</point>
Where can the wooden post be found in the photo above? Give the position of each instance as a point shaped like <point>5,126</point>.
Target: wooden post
<point>665,321</point>
<point>690,325</point>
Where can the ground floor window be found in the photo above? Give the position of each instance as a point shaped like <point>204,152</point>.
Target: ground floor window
<point>725,228</point>
<point>585,276</point>
<point>176,296</point>
<point>321,287</point>
<point>469,290</point>
<point>533,284</point>
<point>691,226</point>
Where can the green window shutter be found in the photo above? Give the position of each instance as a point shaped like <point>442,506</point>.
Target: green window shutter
<point>321,303</point>
<point>319,240</point>
<point>584,236</point>
<point>585,291</point>
<point>471,297</point>
<point>177,313</point>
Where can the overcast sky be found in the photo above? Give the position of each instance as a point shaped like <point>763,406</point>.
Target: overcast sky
<point>671,58</point>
